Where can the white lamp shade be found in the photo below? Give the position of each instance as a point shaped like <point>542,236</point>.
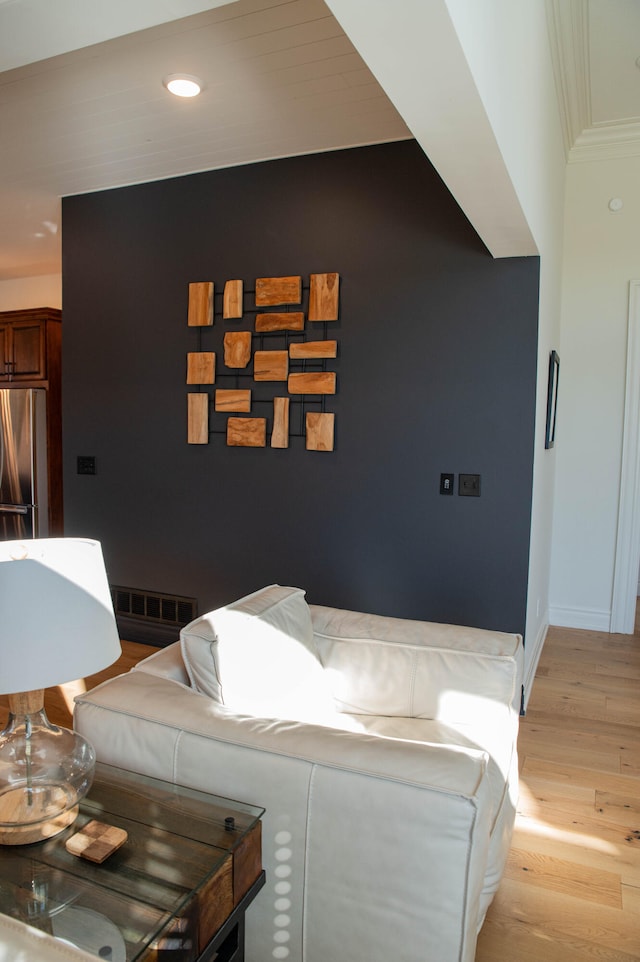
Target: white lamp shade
<point>56,615</point>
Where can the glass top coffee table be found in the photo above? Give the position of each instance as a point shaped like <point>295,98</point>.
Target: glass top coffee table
<point>176,890</point>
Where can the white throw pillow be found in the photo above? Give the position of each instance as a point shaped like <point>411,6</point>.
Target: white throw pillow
<point>257,655</point>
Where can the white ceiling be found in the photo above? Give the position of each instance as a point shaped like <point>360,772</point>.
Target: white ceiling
<point>281,78</point>
<point>82,106</point>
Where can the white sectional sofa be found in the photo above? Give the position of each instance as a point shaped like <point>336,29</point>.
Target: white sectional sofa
<point>23,943</point>
<point>384,752</point>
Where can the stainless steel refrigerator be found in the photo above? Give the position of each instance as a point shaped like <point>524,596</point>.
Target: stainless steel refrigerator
<point>24,508</point>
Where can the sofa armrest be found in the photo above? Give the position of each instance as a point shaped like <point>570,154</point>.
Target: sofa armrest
<point>395,666</point>
<point>142,698</point>
<point>166,663</point>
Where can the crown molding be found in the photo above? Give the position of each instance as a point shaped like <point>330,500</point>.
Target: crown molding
<point>611,142</point>
<point>584,140</point>
<point>568,26</point>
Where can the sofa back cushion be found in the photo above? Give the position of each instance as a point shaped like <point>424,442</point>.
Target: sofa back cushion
<point>257,656</point>
<point>378,665</point>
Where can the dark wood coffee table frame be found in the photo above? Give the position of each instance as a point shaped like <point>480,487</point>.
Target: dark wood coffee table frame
<point>177,890</point>
<point>227,945</point>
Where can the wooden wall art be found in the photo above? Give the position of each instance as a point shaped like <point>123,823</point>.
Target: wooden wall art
<point>232,300</point>
<point>280,433</point>
<point>198,418</point>
<point>323,297</point>
<point>270,365</point>
<point>201,367</point>
<point>278,290</point>
<point>319,431</point>
<point>247,432</point>
<point>322,383</point>
<point>273,346</point>
<point>228,399</point>
<point>280,322</point>
<point>200,304</point>
<point>313,349</point>
<point>237,349</point>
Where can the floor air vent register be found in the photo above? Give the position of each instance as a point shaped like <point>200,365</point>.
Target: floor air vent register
<point>151,616</point>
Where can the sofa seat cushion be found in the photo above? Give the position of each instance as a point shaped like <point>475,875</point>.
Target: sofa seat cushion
<point>257,655</point>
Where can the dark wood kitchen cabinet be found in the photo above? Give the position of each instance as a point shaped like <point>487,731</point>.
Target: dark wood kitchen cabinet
<point>29,344</point>
<point>30,356</point>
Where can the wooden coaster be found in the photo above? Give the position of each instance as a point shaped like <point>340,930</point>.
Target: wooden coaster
<point>96,841</point>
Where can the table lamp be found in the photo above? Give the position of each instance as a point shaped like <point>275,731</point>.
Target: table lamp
<point>56,624</point>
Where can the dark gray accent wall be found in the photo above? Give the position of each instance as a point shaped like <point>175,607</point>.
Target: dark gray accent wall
<point>436,373</point>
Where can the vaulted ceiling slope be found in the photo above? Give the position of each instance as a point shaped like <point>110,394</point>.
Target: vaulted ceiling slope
<point>82,106</point>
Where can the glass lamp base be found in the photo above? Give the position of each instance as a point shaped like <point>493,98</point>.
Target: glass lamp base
<point>28,815</point>
<point>44,772</point>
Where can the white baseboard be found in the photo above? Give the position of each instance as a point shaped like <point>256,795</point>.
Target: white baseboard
<point>591,619</point>
<point>535,650</point>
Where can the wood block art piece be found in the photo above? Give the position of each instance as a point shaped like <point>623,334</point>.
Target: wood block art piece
<point>232,299</point>
<point>323,297</point>
<point>200,304</point>
<point>201,367</point>
<point>198,419</point>
<point>247,432</point>
<point>280,433</point>
<point>320,430</point>
<point>278,290</point>
<point>238,401</point>
<point>237,349</point>
<point>280,322</point>
<point>321,382</point>
<point>270,365</point>
<point>280,308</point>
<point>313,349</point>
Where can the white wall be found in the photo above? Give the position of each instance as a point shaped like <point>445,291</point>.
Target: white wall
<point>507,48</point>
<point>24,292</point>
<point>601,256</point>
<point>413,49</point>
<point>474,83</point>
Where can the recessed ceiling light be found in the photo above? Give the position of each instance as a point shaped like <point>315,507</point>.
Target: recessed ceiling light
<point>183,84</point>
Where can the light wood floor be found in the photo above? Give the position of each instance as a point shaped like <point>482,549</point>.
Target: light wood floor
<point>571,891</point>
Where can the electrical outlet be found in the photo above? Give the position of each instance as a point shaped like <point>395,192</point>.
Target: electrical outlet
<point>469,485</point>
<point>446,483</point>
<point>86,464</point>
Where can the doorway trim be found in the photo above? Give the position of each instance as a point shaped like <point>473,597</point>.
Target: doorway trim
<point>627,562</point>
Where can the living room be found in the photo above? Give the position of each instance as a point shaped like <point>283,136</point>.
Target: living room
<point>443,349</point>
